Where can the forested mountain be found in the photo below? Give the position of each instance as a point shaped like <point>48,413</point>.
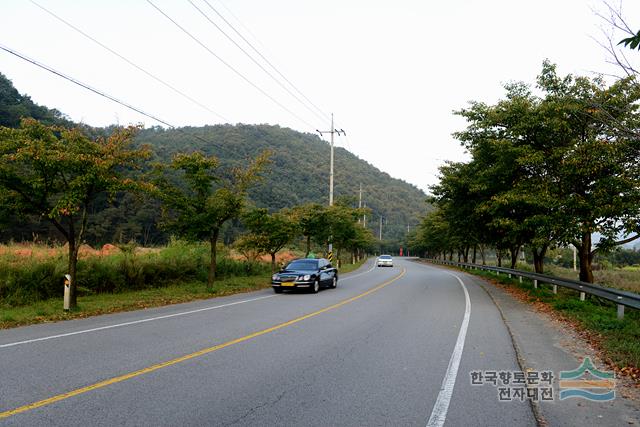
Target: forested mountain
<point>299,174</point>
<point>14,106</point>
<point>300,170</point>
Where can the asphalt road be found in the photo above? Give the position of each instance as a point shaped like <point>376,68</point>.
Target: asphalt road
<point>389,346</point>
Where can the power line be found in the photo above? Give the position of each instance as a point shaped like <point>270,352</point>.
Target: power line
<point>325,115</point>
<point>128,61</point>
<point>105,95</point>
<point>255,61</point>
<point>240,23</point>
<point>238,73</point>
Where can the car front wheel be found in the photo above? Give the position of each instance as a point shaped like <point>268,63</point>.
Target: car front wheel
<point>316,287</point>
<point>334,283</point>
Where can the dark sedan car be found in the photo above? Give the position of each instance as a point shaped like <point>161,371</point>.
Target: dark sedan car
<point>305,273</point>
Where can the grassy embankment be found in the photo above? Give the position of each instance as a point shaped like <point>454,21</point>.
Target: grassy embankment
<point>31,280</point>
<point>595,318</point>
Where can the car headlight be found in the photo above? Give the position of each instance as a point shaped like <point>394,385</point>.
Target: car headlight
<point>305,277</point>
<point>274,277</point>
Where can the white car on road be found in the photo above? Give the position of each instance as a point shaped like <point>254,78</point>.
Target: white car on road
<point>385,261</point>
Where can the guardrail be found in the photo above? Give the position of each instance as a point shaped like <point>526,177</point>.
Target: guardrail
<point>620,298</point>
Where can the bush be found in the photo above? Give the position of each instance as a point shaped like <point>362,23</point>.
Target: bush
<point>23,283</point>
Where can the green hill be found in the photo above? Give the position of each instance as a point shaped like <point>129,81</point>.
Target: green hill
<point>14,106</point>
<point>300,170</point>
<point>299,174</point>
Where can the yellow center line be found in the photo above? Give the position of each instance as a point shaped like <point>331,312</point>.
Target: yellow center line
<point>184,358</point>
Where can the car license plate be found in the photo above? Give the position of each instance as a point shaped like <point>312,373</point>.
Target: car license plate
<point>287,284</point>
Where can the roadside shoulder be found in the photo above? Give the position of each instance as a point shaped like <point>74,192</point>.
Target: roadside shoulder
<point>548,344</point>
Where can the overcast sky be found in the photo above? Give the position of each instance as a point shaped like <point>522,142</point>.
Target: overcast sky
<point>392,72</point>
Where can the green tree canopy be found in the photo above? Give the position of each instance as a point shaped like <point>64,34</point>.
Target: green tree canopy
<point>210,199</point>
<point>56,174</point>
<point>547,170</point>
<point>269,233</point>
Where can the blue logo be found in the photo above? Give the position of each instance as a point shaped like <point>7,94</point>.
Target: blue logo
<point>572,386</point>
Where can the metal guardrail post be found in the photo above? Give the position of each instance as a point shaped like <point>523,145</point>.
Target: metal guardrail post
<point>620,311</point>
<point>582,294</point>
<point>520,279</point>
<point>535,283</point>
<point>555,289</point>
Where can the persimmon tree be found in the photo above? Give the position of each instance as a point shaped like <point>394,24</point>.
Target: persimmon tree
<point>594,161</point>
<point>314,224</point>
<point>56,174</point>
<point>207,198</point>
<point>269,233</point>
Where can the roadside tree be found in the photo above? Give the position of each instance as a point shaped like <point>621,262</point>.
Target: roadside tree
<point>269,233</point>
<point>56,174</point>
<point>210,199</point>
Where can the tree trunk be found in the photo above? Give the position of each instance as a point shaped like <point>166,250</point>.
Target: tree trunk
<point>473,259</point>
<point>484,260</point>
<point>213,240</point>
<point>515,251</point>
<point>308,246</point>
<point>586,258</point>
<point>273,262</point>
<point>538,258</point>
<point>73,269</point>
<point>499,256</point>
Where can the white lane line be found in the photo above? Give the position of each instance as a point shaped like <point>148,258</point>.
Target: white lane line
<point>439,412</point>
<point>118,325</point>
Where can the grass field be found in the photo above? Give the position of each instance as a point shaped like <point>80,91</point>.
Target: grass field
<point>112,281</point>
<point>50,310</point>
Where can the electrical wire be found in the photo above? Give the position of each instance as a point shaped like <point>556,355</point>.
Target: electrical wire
<point>238,73</point>
<point>325,115</point>
<point>128,61</point>
<point>255,61</point>
<point>105,95</point>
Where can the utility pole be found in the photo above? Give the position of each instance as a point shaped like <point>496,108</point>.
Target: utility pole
<point>380,228</point>
<point>360,200</point>
<point>339,132</point>
<point>332,131</point>
<point>364,218</point>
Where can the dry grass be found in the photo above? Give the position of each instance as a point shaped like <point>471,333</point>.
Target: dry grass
<point>627,278</point>
<point>620,278</point>
<point>26,252</point>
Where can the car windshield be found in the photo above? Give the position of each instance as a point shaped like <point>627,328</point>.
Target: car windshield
<point>385,256</point>
<point>303,264</point>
